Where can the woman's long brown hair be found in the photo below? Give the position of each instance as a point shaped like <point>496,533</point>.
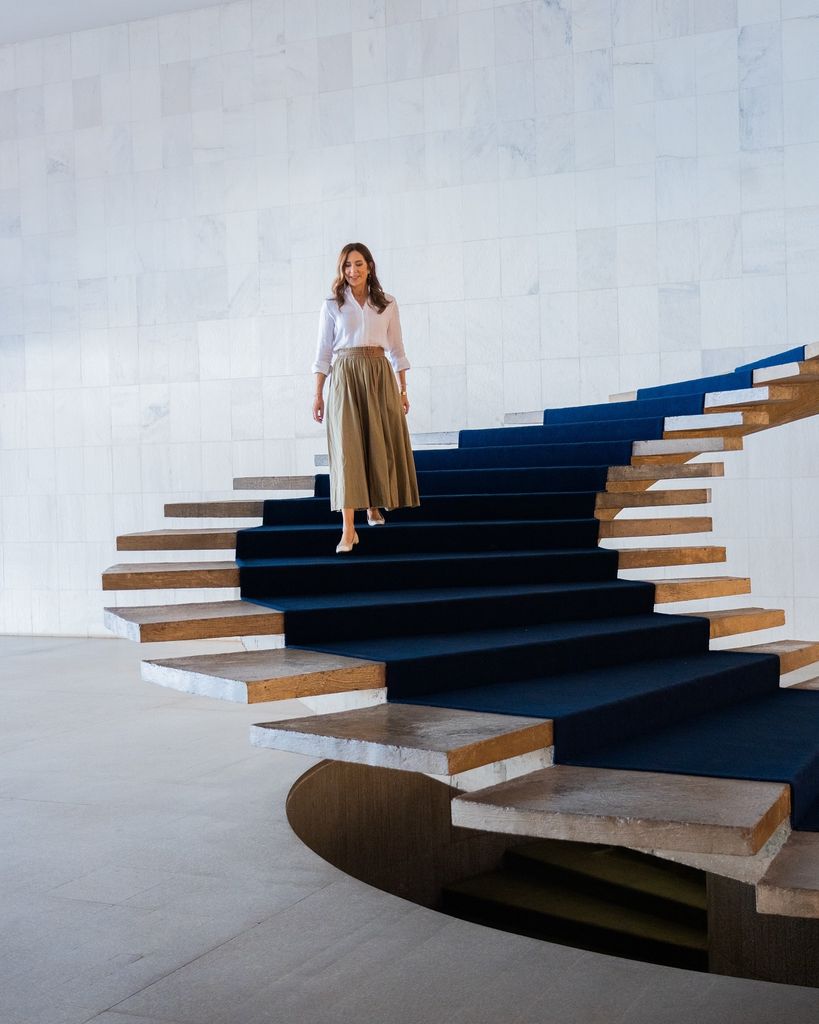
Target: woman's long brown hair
<point>375,293</point>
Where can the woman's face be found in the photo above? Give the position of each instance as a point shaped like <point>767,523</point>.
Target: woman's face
<point>355,269</point>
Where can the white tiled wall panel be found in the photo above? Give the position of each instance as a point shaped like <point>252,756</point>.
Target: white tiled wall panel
<point>569,198</point>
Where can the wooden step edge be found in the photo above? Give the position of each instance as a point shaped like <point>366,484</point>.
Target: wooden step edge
<point>731,621</point>
<point>274,483</point>
<point>251,677</point>
<point>170,575</point>
<point>230,509</point>
<point>648,558</point>
<point>641,477</point>
<point>749,399</point>
<point>699,588</point>
<point>790,886</point>
<point>686,446</point>
<point>646,810</point>
<point>662,527</point>
<point>436,741</point>
<point>159,623</point>
<point>724,432</point>
<point>806,684</point>
<point>804,371</point>
<point>609,504</point>
<point>205,539</point>
<point>792,654</point>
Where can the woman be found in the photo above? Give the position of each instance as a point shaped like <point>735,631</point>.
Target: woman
<point>371,463</point>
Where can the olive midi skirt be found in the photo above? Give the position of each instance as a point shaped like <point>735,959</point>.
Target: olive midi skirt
<point>371,463</point>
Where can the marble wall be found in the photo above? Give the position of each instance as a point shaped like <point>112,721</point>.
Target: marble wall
<point>569,198</point>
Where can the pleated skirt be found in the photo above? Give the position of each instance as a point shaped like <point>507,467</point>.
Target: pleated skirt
<point>371,463</point>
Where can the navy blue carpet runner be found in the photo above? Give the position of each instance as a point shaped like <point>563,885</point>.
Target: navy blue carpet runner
<point>494,595</point>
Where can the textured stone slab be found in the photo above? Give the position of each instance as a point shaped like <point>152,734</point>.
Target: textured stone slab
<point>792,654</point>
<point>642,476</point>
<point>730,621</point>
<point>152,623</point>
<point>170,575</point>
<point>609,504</point>
<point>437,741</point>
<point>637,809</point>
<point>685,446</point>
<point>518,419</point>
<point>759,397</point>
<point>274,483</point>
<point>252,676</point>
<point>211,539</point>
<point>661,527</point>
<point>791,884</point>
<point>649,558</point>
<point>791,373</point>
<point>214,509</point>
<point>718,419</point>
<point>696,588</point>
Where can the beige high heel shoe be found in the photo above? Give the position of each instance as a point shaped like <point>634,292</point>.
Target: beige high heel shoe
<point>377,520</point>
<point>342,548</point>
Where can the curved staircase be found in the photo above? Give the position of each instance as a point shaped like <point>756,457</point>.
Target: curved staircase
<point>487,638</point>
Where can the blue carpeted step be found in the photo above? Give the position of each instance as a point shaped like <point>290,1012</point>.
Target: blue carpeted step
<point>400,538</point>
<point>322,618</point>
<point>429,663</point>
<point>615,453</point>
<point>593,708</point>
<point>501,480</point>
<point>773,738</point>
<point>565,433</point>
<point>701,385</point>
<point>793,355</point>
<point>676,405</point>
<point>445,508</point>
<point>343,573</point>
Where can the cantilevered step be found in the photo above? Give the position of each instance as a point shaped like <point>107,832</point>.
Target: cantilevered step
<point>805,372</point>
<point>235,509</point>
<point>719,424</point>
<point>152,623</point>
<point>170,575</point>
<point>790,886</point>
<point>655,527</point>
<point>437,741</point>
<point>635,477</point>
<point>248,677</point>
<point>763,397</point>
<point>731,621</point>
<point>212,539</point>
<point>792,654</point>
<point>685,446</point>
<point>698,588</point>
<point>608,505</point>
<point>522,419</point>
<point>648,810</point>
<point>649,558</point>
<point>274,483</point>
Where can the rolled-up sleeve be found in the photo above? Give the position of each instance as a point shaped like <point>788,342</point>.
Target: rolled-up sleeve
<point>395,342</point>
<point>324,345</point>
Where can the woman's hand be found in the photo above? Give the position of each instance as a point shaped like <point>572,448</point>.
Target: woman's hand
<point>318,408</point>
<point>404,402</point>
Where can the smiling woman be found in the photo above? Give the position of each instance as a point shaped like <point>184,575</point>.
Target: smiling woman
<point>371,463</point>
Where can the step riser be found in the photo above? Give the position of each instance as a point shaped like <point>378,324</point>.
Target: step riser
<point>439,508</point>
<point>445,539</point>
<point>347,623</point>
<point>665,527</point>
<point>529,455</point>
<point>575,433</point>
<point>555,567</point>
<point>428,675</point>
<point>500,481</point>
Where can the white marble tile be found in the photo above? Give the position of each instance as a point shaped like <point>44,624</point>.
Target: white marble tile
<point>800,39</point>
<point>555,144</point>
<point>521,386</point>
<point>476,43</point>
<point>404,51</point>
<point>679,317</point>
<point>597,258</point>
<point>676,127</point>
<point>721,313</point>
<point>632,21</point>
<point>750,12</point>
<point>596,198</point>
<point>638,311</point>
<point>599,378</point>
<point>439,42</point>
<point>676,188</point>
<point>513,29</point>
<point>557,260</point>
<point>558,325</point>
<point>635,133</point>
<point>801,110</point>
<point>763,243</point>
<point>442,103</point>
<point>555,203</point>
<point>761,117</point>
<point>765,312</point>
<point>720,245</point>
<point>633,74</point>
<point>718,124</point>
<point>591,24</point>
<point>517,149</point>
<point>718,185</point>
<point>521,334</point>
<point>515,91</point>
<point>593,139</point>
<point>553,85</point>
<point>482,270</point>
<point>801,180</point>
<point>675,68</point>
<point>597,323</point>
<point>518,199</point>
<point>637,254</point>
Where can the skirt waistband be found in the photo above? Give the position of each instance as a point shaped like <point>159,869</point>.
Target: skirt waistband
<point>362,352</point>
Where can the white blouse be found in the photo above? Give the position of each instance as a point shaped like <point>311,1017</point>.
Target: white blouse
<point>352,326</point>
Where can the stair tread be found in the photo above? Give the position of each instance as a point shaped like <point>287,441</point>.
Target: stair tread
<point>792,654</point>
<point>195,621</point>
<point>426,739</point>
<point>501,888</point>
<point>791,884</point>
<point>615,865</point>
<point>631,808</point>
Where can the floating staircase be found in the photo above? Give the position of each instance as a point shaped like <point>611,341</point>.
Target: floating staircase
<point>488,629</point>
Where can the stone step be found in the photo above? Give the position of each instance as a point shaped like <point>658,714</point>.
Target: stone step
<point>687,447</point>
<point>521,419</point>
<point>790,886</point>
<point>792,654</point>
<point>151,623</point>
<point>214,509</point>
<point>648,558</point>
<point>609,504</point>
<point>648,810</point>
<point>806,684</point>
<point>762,397</point>
<point>170,575</point>
<point>641,477</point>
<point>730,621</point>
<point>804,372</point>
<point>697,588</point>
<point>274,483</point>
<point>201,539</point>
<point>436,741</point>
<point>662,527</point>
<point>719,424</point>
<point>248,677</point>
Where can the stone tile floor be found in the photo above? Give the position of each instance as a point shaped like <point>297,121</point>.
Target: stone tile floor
<point>148,874</point>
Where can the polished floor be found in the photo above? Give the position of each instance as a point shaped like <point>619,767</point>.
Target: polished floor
<point>148,874</point>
